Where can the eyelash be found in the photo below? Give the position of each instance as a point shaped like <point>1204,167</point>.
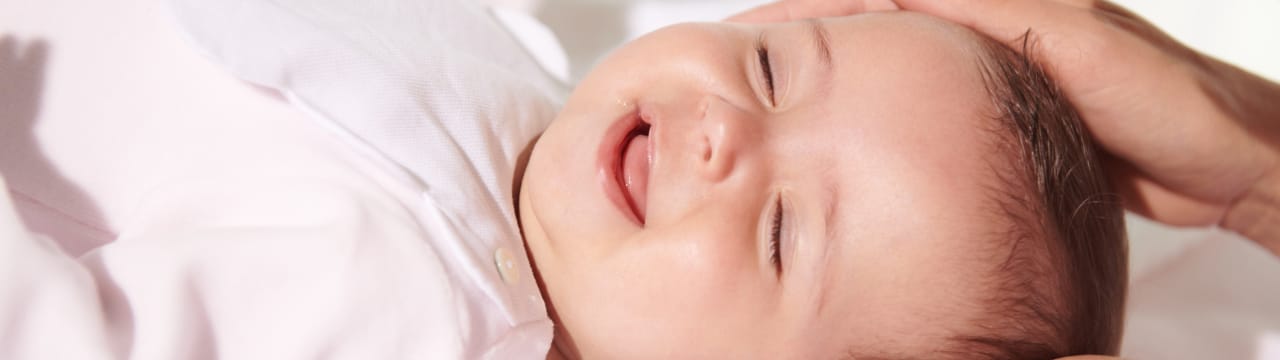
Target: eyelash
<point>775,236</point>
<point>762,53</point>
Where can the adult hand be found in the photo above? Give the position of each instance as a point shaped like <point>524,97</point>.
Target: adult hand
<point>1193,141</point>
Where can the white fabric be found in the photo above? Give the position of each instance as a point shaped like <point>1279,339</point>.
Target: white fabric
<point>436,87</point>
<point>42,293</point>
<point>255,234</point>
<point>245,268</point>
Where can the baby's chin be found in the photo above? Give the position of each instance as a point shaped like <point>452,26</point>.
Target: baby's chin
<point>518,182</point>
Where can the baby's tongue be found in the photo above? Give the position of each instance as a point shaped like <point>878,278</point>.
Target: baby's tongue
<point>635,172</point>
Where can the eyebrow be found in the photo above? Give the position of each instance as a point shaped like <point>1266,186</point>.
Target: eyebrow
<point>821,40</point>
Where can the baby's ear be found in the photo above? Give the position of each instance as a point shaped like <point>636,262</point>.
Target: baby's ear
<point>790,10</point>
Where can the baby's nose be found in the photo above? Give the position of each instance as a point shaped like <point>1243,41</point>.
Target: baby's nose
<point>726,131</point>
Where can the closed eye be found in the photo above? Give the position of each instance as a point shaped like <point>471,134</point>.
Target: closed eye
<point>775,236</point>
<point>762,53</point>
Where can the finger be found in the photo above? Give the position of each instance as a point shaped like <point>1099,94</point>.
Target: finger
<point>1002,19</point>
<point>790,10</point>
<point>1253,215</point>
<point>1154,201</point>
<point>1009,20</point>
<point>1083,4</point>
<point>779,11</point>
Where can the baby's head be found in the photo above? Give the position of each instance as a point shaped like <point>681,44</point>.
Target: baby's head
<point>879,186</point>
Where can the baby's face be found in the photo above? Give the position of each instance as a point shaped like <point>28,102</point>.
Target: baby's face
<point>858,154</point>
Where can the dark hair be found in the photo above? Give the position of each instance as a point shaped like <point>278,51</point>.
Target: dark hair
<point>1060,290</point>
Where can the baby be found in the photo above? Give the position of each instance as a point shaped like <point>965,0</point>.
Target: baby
<point>885,185</point>
<point>878,186</point>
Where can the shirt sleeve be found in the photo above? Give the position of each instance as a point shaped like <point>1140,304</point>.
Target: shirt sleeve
<point>282,269</point>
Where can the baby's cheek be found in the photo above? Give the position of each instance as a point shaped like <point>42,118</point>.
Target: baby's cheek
<point>692,293</point>
<point>699,272</point>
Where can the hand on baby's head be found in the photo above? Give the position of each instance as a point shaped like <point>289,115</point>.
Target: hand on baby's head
<point>885,185</point>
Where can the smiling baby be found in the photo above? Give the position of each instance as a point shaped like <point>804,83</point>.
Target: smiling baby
<point>878,186</point>
<point>886,185</point>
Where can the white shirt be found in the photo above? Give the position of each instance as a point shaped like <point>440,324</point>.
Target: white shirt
<point>387,230</point>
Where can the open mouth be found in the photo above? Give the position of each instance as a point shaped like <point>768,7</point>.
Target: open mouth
<point>626,156</point>
<point>635,159</point>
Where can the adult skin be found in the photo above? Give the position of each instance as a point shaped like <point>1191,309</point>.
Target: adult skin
<point>1192,141</point>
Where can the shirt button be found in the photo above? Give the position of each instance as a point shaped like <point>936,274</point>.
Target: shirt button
<point>506,264</point>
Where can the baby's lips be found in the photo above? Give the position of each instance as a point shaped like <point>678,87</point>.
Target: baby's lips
<point>635,174</point>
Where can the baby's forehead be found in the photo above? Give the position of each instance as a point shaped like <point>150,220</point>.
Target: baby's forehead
<point>918,289</point>
<point>907,30</point>
<point>1010,277</point>
<point>909,134</point>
